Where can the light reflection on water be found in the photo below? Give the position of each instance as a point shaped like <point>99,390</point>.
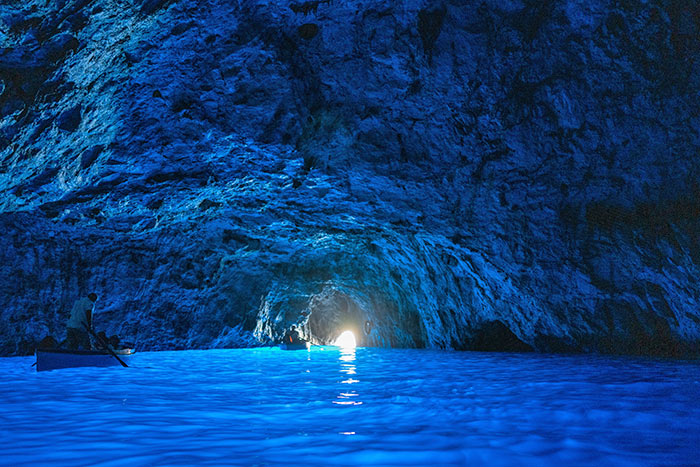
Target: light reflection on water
<point>347,366</point>
<point>350,407</point>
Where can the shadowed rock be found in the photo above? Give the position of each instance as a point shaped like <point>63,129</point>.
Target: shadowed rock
<point>70,119</point>
<point>429,26</point>
<point>308,31</point>
<point>466,175</point>
<point>307,7</point>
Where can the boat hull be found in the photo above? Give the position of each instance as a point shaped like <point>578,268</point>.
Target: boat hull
<point>300,346</point>
<point>56,359</point>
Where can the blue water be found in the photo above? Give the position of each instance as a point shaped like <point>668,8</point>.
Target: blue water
<point>369,406</point>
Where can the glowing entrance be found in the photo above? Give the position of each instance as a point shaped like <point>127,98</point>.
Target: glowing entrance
<point>346,340</point>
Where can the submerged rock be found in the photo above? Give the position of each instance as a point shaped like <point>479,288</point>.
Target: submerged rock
<point>487,175</point>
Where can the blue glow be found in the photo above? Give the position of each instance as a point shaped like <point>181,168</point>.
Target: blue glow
<point>359,406</point>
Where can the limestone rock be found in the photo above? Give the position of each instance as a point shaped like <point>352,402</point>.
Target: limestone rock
<point>498,175</point>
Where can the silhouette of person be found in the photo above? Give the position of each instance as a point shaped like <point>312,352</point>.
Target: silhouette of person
<point>292,336</point>
<point>80,316</point>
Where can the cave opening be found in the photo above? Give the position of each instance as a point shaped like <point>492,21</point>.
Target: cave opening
<point>336,316</point>
<point>346,340</point>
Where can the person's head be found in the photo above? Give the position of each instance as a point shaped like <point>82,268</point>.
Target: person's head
<point>294,328</point>
<point>92,296</point>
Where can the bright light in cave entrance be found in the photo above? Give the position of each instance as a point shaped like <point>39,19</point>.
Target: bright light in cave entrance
<point>346,340</point>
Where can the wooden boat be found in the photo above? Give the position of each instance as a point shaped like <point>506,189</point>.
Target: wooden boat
<point>303,345</point>
<point>54,359</point>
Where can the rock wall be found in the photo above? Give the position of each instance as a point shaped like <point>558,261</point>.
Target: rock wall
<point>491,175</point>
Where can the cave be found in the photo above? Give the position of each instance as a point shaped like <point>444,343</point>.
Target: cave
<point>498,199</point>
<point>333,312</point>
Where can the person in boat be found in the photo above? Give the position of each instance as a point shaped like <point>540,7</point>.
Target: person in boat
<point>47,342</point>
<point>102,340</point>
<point>80,316</point>
<point>292,336</point>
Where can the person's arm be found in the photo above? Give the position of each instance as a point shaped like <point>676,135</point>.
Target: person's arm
<point>88,317</point>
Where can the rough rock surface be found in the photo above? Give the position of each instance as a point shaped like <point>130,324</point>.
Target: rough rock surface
<point>497,175</point>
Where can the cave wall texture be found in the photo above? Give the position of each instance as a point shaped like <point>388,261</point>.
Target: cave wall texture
<point>489,175</point>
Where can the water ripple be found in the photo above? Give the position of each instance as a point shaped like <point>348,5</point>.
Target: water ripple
<point>366,406</point>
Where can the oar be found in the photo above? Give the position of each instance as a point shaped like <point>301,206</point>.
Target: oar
<point>105,344</point>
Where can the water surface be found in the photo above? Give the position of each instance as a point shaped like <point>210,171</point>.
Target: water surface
<point>367,406</point>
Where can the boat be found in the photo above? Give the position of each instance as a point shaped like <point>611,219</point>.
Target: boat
<point>303,345</point>
<point>54,359</point>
